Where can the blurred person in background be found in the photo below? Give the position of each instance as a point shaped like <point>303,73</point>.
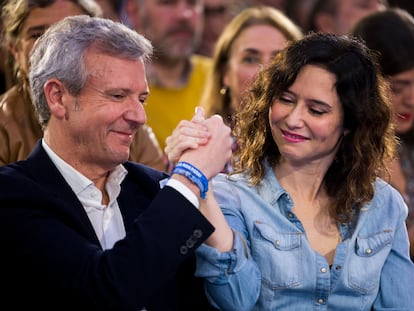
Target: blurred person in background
<point>217,14</point>
<point>111,9</point>
<point>391,34</point>
<point>407,5</point>
<point>299,11</point>
<point>278,4</point>
<point>339,16</point>
<point>3,56</point>
<point>176,75</point>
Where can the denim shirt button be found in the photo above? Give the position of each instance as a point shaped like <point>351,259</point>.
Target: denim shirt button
<point>320,300</point>
<point>323,270</point>
<point>368,251</point>
<point>290,215</point>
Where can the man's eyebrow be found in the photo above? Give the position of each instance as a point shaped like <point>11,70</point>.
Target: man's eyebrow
<point>124,90</point>
<point>37,28</point>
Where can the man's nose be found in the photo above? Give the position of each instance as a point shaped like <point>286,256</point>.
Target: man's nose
<point>136,114</point>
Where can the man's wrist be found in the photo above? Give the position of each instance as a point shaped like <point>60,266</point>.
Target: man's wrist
<point>194,175</point>
<point>186,188</point>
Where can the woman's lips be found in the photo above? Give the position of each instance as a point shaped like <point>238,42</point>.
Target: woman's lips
<point>292,137</point>
<point>405,116</point>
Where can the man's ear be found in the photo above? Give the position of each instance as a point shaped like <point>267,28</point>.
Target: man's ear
<point>13,51</point>
<point>54,91</point>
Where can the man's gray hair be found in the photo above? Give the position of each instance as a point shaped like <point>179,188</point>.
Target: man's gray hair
<point>59,53</point>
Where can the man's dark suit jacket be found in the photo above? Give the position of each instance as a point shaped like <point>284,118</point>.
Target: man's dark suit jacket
<point>52,260</point>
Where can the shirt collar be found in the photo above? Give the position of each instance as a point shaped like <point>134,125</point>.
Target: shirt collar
<point>77,181</point>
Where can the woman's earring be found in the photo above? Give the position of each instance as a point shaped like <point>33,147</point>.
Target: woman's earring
<point>223,90</point>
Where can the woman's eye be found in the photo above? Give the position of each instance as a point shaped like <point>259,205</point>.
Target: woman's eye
<point>316,111</point>
<point>251,60</point>
<point>397,89</point>
<point>285,99</point>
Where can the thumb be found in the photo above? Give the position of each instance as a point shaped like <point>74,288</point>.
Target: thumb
<point>199,114</point>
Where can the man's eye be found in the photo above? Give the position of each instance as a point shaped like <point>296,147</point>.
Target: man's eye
<point>118,96</point>
<point>143,100</point>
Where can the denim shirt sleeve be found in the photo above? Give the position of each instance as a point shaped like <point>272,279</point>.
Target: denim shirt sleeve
<point>229,275</point>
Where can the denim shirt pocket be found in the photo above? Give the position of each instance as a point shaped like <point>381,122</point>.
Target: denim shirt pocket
<point>367,261</point>
<point>278,256</point>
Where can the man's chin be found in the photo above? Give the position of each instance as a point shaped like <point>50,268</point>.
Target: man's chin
<point>125,157</point>
<point>121,156</point>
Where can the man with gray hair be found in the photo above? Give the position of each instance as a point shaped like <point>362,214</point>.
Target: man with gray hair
<point>82,226</point>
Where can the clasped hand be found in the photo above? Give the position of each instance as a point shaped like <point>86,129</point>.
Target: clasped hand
<point>205,143</point>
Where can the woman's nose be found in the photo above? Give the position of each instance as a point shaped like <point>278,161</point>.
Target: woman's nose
<point>294,117</point>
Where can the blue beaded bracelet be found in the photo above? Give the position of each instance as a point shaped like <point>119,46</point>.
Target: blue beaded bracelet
<point>194,175</point>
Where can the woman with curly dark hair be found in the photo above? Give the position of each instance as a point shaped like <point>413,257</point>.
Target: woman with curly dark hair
<point>309,222</point>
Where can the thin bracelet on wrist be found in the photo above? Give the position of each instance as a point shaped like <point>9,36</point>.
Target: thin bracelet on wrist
<point>194,175</point>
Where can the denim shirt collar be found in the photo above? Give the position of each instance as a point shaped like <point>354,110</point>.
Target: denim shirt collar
<point>272,192</point>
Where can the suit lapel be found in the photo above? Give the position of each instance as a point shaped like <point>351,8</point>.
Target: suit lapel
<point>139,188</point>
<point>46,174</point>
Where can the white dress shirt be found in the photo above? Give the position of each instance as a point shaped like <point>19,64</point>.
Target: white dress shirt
<point>105,219</point>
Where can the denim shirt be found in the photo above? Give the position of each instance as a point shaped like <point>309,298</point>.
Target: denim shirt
<point>273,267</point>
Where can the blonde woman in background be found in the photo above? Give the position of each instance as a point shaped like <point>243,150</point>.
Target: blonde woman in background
<point>249,42</point>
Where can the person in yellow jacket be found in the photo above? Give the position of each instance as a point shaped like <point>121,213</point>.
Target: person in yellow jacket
<point>176,75</point>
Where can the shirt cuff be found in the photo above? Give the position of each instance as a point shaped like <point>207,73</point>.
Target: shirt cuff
<point>184,190</point>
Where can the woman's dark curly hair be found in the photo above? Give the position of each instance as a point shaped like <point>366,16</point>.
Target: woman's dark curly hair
<point>361,89</point>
